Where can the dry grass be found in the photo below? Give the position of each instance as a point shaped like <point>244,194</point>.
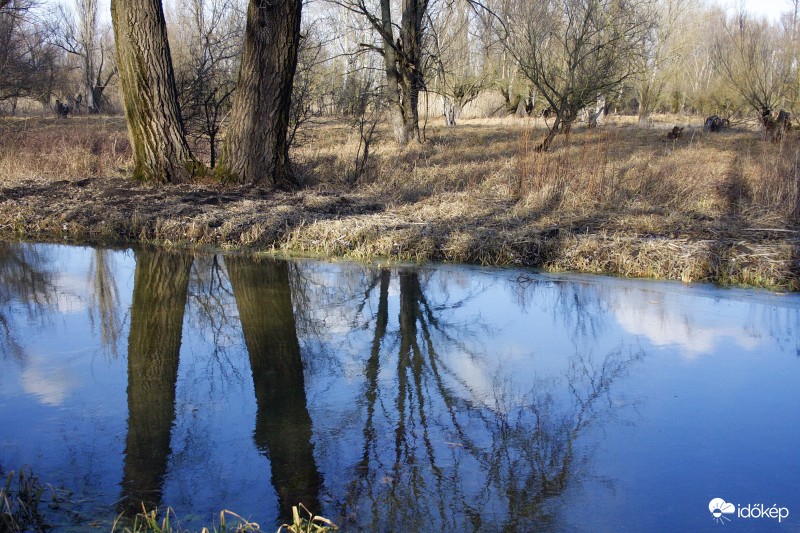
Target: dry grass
<point>619,199</point>
<point>45,149</point>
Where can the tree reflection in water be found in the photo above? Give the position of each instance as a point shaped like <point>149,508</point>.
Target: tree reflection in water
<point>283,425</point>
<point>161,280</point>
<point>438,452</point>
<point>26,286</point>
<point>104,300</point>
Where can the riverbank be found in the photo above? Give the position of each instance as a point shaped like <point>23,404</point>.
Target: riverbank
<point>618,200</point>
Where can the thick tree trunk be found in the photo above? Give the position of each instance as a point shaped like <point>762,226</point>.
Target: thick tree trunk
<point>160,151</point>
<point>283,426</point>
<point>88,15</point>
<point>154,343</point>
<point>256,149</point>
<point>409,104</point>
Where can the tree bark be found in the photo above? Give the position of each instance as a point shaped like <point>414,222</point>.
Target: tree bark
<point>545,145</point>
<point>283,426</point>
<point>256,149</point>
<point>160,288</point>
<point>160,151</point>
<point>402,62</point>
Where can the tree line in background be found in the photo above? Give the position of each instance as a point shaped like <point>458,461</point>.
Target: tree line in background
<point>225,84</point>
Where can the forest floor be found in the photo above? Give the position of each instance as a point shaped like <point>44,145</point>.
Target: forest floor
<point>620,199</point>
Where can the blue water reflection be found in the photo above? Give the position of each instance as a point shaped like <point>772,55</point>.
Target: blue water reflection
<point>394,399</point>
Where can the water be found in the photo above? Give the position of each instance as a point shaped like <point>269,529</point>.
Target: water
<point>402,399</point>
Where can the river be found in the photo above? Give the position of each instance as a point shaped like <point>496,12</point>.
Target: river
<point>402,398</point>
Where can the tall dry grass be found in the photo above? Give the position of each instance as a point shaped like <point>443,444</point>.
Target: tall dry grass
<point>47,149</point>
<point>618,169</point>
<point>637,172</point>
<point>614,170</point>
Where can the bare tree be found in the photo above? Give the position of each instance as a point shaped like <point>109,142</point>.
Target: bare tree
<point>156,130</point>
<point>458,77</point>
<point>575,51</point>
<point>256,149</point>
<point>210,34</point>
<point>28,60</point>
<point>310,82</point>
<point>664,47</point>
<point>699,79</point>
<point>79,34</point>
<point>748,56</point>
<point>401,47</point>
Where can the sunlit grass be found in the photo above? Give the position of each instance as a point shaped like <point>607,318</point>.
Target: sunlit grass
<point>618,199</point>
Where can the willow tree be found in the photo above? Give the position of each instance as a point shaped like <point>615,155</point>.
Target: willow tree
<point>401,46</point>
<point>256,149</point>
<point>753,63</point>
<point>160,151</point>
<point>576,51</point>
<point>459,77</point>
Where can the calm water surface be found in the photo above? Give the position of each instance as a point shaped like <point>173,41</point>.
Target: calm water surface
<point>401,399</point>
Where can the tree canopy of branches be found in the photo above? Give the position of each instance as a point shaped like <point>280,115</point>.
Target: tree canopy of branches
<point>663,48</point>
<point>752,60</point>
<point>206,55</point>
<point>458,75</point>
<point>402,53</point>
<point>79,33</point>
<point>28,60</point>
<point>575,51</point>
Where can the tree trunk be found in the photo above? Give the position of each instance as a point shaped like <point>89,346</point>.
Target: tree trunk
<point>256,149</point>
<point>160,282</point>
<point>283,426</point>
<point>545,145</point>
<point>402,62</point>
<point>88,32</point>
<point>449,106</point>
<point>410,102</point>
<point>644,108</point>
<point>160,151</point>
<point>393,78</point>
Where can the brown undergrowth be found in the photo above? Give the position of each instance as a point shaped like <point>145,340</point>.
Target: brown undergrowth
<point>619,199</point>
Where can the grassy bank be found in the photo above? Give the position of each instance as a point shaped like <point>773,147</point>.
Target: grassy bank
<point>620,199</point>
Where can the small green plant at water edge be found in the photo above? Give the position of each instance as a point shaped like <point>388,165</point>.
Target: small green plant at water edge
<point>312,524</point>
<point>20,498</point>
<point>148,522</point>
